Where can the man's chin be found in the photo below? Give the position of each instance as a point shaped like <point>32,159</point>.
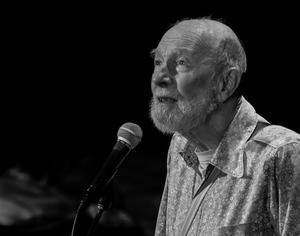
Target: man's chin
<point>164,129</point>
<point>165,118</point>
<point>162,125</point>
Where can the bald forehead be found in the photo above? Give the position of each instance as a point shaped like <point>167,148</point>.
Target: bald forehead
<point>195,35</point>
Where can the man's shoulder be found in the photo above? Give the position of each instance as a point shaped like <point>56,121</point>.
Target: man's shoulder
<point>277,136</point>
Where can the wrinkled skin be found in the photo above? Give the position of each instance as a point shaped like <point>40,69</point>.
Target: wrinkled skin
<point>183,85</point>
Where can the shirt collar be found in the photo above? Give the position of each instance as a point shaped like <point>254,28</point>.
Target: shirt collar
<point>228,156</point>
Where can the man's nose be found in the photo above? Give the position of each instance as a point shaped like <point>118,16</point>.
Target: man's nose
<point>162,78</point>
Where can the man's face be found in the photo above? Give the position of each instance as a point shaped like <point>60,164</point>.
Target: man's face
<point>184,92</point>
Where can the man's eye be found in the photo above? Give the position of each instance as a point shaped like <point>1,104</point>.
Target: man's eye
<point>180,63</point>
<point>157,62</point>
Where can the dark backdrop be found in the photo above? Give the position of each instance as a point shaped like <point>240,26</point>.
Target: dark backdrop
<point>75,73</point>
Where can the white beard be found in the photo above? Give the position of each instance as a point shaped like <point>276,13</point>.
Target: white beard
<point>183,116</point>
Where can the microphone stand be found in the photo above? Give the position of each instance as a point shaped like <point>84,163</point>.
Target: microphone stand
<point>103,204</point>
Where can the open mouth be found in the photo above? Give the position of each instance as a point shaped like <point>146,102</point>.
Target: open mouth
<point>166,99</point>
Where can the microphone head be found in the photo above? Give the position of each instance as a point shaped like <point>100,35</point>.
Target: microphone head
<point>131,134</point>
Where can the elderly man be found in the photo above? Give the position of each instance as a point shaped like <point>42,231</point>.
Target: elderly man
<point>229,171</point>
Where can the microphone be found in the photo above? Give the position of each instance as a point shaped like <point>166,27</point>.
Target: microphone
<point>129,136</point>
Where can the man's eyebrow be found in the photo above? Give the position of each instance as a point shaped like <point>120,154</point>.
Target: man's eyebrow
<point>182,51</point>
<point>153,52</point>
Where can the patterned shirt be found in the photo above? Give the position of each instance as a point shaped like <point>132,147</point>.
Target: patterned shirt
<point>257,192</point>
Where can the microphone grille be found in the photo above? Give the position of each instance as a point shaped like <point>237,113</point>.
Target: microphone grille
<point>131,134</point>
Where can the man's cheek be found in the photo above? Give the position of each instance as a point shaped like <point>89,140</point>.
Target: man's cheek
<point>188,87</point>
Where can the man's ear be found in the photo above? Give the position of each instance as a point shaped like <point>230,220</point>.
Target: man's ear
<point>228,84</point>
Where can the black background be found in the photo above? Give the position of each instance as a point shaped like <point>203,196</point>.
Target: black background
<point>74,73</point>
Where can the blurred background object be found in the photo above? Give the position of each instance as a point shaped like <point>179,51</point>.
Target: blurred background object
<point>41,206</point>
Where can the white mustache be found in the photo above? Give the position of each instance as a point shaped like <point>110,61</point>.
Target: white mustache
<point>175,96</point>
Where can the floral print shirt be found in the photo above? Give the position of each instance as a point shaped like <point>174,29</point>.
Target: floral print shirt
<point>257,192</point>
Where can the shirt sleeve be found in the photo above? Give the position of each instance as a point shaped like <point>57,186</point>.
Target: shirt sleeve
<point>286,197</point>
